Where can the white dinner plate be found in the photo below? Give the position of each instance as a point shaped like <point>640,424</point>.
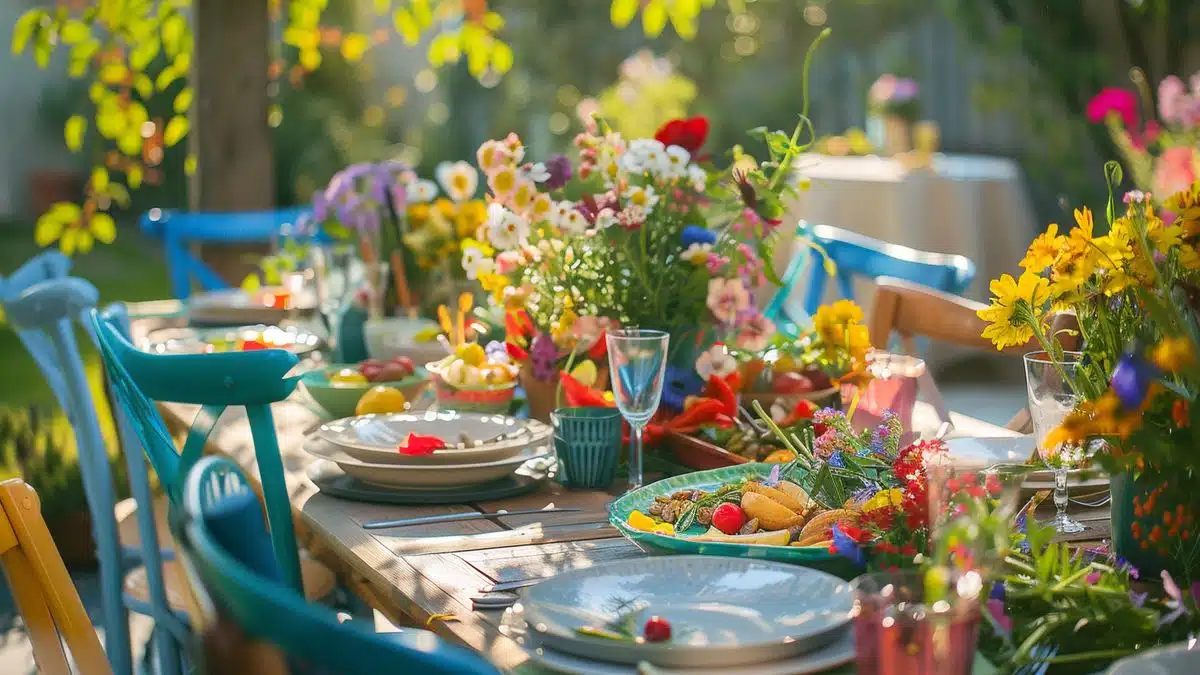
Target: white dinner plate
<point>470,437</point>
<point>425,475</point>
<point>722,611</point>
<point>235,306</point>
<point>837,653</point>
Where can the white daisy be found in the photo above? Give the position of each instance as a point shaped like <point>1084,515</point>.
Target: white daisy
<point>677,159</point>
<point>697,254</point>
<point>459,180</point>
<point>422,191</point>
<point>476,263</point>
<point>698,177</point>
<point>559,211</point>
<point>643,197</point>
<point>509,232</point>
<point>574,222</point>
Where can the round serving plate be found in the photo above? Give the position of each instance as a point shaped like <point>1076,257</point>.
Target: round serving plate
<point>425,475</point>
<point>331,480</point>
<point>232,306</point>
<point>723,611</point>
<point>471,437</point>
<point>297,340</point>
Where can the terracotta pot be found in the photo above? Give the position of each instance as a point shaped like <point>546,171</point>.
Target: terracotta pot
<point>542,396</point>
<point>47,186</point>
<point>72,534</point>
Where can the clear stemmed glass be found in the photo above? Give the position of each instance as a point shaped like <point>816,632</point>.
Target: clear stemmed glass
<point>637,358</point>
<point>1051,397</point>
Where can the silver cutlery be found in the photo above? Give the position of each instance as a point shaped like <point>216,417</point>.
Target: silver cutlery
<point>458,517</point>
<point>511,585</point>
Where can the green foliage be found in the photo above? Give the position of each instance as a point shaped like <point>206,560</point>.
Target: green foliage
<point>40,448</point>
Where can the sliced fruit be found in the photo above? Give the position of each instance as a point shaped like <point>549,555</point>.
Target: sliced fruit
<point>347,377</point>
<point>472,353</point>
<point>780,457</point>
<point>778,496</point>
<point>772,538</point>
<point>585,373</point>
<point>380,399</point>
<point>771,514</point>
<point>795,492</point>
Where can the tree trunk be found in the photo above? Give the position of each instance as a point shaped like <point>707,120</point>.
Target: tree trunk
<point>230,136</point>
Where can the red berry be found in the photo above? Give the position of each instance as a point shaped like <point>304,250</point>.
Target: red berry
<point>729,518</point>
<point>657,629</point>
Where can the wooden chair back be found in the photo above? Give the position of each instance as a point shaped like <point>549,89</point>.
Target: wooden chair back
<point>47,600</point>
<point>910,311</point>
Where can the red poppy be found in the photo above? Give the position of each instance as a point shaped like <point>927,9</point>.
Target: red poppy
<point>688,134</point>
<point>580,395</point>
<point>516,352</point>
<point>600,349</point>
<point>417,445</point>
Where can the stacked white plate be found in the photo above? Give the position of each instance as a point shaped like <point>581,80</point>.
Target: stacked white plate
<point>480,448</point>
<point>727,615</point>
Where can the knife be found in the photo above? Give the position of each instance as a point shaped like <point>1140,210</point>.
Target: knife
<point>458,517</point>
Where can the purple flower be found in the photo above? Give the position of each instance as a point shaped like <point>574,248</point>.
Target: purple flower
<point>559,168</point>
<point>1131,380</point>
<point>497,352</point>
<point>863,494</point>
<point>543,354</point>
<point>846,547</point>
<point>836,460</point>
<point>773,479</point>
<point>996,609</point>
<point>1176,599</point>
<point>678,385</point>
<point>1137,599</point>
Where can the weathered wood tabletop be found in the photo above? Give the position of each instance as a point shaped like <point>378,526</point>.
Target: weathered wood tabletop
<point>427,575</point>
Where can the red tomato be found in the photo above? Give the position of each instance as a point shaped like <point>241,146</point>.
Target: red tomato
<point>657,629</point>
<point>254,345</point>
<point>729,518</point>
<point>792,383</point>
<point>405,363</point>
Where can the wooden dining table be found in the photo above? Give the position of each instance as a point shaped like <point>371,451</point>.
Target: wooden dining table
<point>427,575</point>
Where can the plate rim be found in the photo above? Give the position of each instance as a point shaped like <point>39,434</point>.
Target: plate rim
<point>518,459</point>
<point>540,431</point>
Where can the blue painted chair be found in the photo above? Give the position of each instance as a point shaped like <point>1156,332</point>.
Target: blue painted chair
<point>220,538</point>
<point>853,254</point>
<point>41,304</point>
<point>253,380</point>
<point>180,230</point>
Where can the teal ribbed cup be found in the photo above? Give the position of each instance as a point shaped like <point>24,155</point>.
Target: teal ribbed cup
<point>588,443</point>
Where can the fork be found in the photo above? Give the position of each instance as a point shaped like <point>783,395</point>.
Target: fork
<point>1041,655</point>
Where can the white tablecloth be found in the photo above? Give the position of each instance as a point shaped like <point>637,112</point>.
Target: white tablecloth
<point>970,205</point>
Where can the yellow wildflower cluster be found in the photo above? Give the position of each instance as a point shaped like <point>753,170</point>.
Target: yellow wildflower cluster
<point>842,340</point>
<point>436,230</point>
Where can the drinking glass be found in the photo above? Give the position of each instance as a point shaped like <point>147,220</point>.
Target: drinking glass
<point>916,622</point>
<point>893,386</point>
<point>1051,397</point>
<point>638,359</point>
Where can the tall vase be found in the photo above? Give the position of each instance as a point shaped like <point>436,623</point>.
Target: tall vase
<point>897,139</point>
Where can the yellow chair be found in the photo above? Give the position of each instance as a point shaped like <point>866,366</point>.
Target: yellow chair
<point>42,589</point>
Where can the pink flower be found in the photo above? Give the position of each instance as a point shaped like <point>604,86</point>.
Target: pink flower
<point>995,607</point>
<point>727,298</point>
<point>715,262</point>
<point>754,332</point>
<point>715,360</point>
<point>1114,101</point>
<point>1175,170</point>
<point>508,262</point>
<point>1171,97</point>
<point>883,89</point>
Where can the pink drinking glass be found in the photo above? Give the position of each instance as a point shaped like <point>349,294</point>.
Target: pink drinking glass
<point>916,623</point>
<point>893,386</point>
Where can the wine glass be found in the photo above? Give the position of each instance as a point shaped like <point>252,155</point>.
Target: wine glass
<point>638,358</point>
<point>1051,397</point>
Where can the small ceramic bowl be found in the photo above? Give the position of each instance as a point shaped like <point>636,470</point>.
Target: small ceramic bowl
<point>391,337</point>
<point>340,400</point>
<point>486,399</point>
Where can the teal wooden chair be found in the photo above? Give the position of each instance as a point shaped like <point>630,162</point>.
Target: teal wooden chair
<point>236,576</point>
<point>854,255</point>
<point>41,305</point>
<point>253,380</point>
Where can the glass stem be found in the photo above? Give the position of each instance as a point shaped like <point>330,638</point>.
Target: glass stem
<point>1060,494</point>
<point>635,458</point>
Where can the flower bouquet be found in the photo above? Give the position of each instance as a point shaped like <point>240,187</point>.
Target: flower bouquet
<point>1136,291</point>
<point>1163,155</point>
<point>893,105</point>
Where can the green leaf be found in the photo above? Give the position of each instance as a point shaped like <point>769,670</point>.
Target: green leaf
<point>24,28</point>
<point>142,55</point>
<point>621,12</point>
<point>654,18</point>
<point>183,101</point>
<point>74,32</point>
<point>502,58</point>
<point>407,26</point>
<point>177,128</point>
<point>74,131</point>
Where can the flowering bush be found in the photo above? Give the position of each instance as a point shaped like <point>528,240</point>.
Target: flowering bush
<point>1163,155</point>
<point>1136,292</point>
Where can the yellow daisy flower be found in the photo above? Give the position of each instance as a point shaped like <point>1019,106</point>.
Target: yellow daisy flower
<point>1043,250</point>
<point>1016,305</point>
<point>1186,207</point>
<point>1173,354</point>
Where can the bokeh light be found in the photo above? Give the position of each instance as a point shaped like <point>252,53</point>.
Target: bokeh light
<point>425,81</point>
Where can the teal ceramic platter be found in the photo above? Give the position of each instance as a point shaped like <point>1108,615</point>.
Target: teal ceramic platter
<point>642,498</point>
